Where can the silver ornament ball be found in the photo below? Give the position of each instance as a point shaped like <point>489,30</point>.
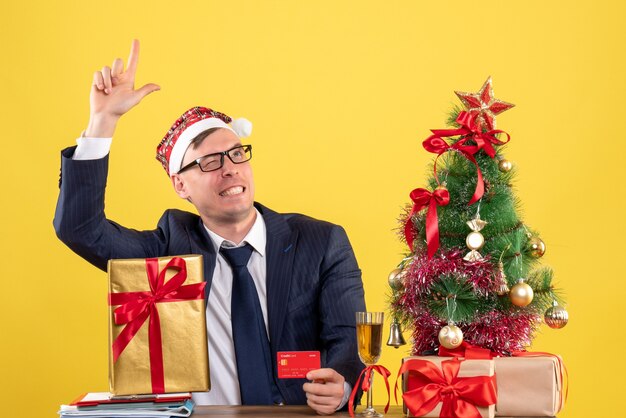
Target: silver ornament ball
<point>556,317</point>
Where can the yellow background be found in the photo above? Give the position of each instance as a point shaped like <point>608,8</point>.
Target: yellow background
<point>341,95</point>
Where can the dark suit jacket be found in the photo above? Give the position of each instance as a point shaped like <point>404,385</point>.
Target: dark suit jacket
<point>314,284</point>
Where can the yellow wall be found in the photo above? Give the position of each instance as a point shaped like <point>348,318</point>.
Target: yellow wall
<point>341,95</point>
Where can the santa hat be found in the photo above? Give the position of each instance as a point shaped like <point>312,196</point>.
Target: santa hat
<point>172,148</point>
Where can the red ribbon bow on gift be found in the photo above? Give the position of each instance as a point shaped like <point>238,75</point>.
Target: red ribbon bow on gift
<point>460,396</point>
<point>136,307</point>
<point>365,384</point>
<point>471,131</point>
<point>423,198</point>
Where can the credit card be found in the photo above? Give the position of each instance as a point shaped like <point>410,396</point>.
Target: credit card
<point>296,364</point>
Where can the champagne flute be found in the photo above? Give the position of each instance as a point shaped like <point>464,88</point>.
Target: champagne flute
<point>369,333</point>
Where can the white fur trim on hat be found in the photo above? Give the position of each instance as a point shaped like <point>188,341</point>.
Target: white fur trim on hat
<point>185,138</point>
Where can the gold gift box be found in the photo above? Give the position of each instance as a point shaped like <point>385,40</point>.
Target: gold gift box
<point>529,386</point>
<point>183,333</point>
<point>469,368</point>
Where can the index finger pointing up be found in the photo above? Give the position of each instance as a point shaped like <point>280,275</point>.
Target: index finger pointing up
<point>133,57</point>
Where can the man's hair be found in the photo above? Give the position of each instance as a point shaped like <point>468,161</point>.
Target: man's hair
<point>199,139</point>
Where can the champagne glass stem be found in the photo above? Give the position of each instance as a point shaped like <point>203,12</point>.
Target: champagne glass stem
<point>370,394</point>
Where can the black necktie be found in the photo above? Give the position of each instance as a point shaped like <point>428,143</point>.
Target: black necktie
<point>252,347</point>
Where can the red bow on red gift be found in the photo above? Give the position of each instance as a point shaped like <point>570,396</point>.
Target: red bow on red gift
<point>136,307</point>
<point>459,396</point>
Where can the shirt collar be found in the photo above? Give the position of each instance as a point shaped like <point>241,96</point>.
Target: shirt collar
<point>256,236</point>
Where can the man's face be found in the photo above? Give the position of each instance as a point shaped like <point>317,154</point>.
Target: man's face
<point>223,196</point>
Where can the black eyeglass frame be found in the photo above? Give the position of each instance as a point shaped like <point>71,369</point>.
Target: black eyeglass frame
<point>246,149</point>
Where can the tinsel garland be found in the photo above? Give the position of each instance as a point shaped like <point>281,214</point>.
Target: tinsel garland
<point>423,272</point>
<point>500,331</point>
<point>497,331</point>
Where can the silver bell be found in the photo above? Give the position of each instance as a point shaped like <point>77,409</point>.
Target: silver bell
<point>396,339</point>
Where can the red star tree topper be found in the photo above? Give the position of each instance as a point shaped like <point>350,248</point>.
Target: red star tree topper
<point>483,107</point>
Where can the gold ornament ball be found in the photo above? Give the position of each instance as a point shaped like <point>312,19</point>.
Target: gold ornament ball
<point>441,187</point>
<point>505,166</point>
<point>475,241</point>
<point>396,279</point>
<point>521,294</point>
<point>537,247</point>
<point>450,336</point>
<point>556,317</point>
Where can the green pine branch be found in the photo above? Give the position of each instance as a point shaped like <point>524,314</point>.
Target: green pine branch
<point>453,299</point>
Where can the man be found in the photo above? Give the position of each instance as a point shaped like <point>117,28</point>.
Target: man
<point>301,274</point>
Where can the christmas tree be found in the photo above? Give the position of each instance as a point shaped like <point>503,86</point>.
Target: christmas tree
<point>472,272</point>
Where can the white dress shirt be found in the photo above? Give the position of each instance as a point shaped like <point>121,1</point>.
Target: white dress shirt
<point>222,358</point>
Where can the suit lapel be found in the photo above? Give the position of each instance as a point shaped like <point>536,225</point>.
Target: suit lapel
<point>280,251</point>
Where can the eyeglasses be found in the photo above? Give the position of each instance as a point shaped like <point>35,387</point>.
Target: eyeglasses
<point>211,162</point>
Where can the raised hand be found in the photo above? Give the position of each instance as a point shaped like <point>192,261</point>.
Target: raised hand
<point>113,94</point>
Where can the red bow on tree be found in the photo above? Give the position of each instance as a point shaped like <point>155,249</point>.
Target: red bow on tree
<point>470,131</point>
<point>423,198</point>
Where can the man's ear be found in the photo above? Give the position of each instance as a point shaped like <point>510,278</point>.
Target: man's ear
<point>180,186</point>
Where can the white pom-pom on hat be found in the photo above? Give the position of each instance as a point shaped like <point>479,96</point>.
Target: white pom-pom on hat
<point>242,127</point>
